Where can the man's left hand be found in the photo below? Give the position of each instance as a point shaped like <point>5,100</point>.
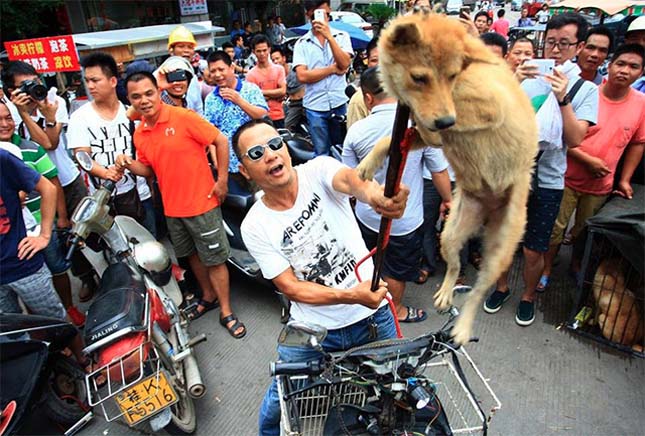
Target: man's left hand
<point>48,109</point>
<point>624,189</point>
<point>322,27</point>
<point>389,207</point>
<point>559,82</point>
<point>231,95</point>
<point>220,190</point>
<point>31,245</point>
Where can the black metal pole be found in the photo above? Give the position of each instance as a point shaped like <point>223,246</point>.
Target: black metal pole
<point>392,181</point>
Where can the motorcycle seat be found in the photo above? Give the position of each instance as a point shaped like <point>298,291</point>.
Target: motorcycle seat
<point>238,197</point>
<point>119,308</point>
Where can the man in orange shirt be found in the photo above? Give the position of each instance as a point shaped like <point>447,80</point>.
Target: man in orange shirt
<point>591,167</point>
<point>270,79</point>
<point>172,142</point>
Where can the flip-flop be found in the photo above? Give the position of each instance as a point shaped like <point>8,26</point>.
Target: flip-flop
<point>236,325</point>
<point>542,284</point>
<point>414,315</point>
<point>192,313</point>
<point>423,277</point>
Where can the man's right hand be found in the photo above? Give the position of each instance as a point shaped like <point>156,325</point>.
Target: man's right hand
<point>526,71</point>
<point>365,296</point>
<point>597,167</point>
<point>22,101</point>
<point>113,173</point>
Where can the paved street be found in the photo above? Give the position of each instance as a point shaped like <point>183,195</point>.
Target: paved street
<point>550,381</point>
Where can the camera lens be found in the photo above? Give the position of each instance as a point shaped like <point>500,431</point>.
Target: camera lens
<point>34,90</point>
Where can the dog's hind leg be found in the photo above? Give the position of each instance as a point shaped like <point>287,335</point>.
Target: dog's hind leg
<point>503,230</point>
<point>464,220</point>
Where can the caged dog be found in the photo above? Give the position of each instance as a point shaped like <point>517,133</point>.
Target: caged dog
<point>465,100</point>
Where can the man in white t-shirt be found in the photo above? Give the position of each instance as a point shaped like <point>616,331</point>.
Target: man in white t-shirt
<point>102,129</point>
<point>305,238</point>
<point>406,234</point>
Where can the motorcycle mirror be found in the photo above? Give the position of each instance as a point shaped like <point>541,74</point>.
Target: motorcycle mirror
<point>84,160</point>
<point>300,333</point>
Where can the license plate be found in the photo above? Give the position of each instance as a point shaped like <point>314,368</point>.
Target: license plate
<point>146,398</point>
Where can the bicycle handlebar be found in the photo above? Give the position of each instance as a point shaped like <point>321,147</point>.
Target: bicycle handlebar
<point>296,368</point>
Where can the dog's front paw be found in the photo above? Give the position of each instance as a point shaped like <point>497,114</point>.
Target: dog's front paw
<point>443,298</point>
<point>462,330</point>
<point>367,168</point>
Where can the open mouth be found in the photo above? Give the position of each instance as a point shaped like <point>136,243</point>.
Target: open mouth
<point>276,169</point>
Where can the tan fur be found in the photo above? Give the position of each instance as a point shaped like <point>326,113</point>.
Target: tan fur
<point>491,148</point>
<point>618,314</point>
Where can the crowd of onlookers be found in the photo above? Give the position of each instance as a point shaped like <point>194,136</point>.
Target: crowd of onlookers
<point>589,122</point>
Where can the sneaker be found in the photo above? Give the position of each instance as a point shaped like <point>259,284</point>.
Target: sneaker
<point>78,319</point>
<point>496,300</point>
<point>525,314</point>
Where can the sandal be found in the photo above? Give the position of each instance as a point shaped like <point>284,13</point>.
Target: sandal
<point>423,277</point>
<point>192,313</point>
<point>234,327</point>
<point>414,315</point>
<point>542,284</point>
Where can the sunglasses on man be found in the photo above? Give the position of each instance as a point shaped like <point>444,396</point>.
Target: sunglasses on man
<point>256,152</point>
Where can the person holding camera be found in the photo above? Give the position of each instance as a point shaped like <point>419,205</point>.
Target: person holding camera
<point>102,129</point>
<point>173,77</point>
<point>321,59</point>
<point>43,122</point>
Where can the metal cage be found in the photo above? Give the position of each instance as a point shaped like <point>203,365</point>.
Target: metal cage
<point>610,299</point>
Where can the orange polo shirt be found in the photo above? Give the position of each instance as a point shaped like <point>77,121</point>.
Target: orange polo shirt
<point>175,148</point>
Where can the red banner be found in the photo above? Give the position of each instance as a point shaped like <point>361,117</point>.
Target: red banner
<point>46,55</point>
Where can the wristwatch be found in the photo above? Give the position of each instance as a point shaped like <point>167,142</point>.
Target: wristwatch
<point>51,124</point>
<point>565,101</point>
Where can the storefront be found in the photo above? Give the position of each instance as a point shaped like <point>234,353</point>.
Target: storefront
<point>101,15</point>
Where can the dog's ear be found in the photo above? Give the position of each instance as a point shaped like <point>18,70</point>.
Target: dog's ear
<point>405,34</point>
<point>475,51</point>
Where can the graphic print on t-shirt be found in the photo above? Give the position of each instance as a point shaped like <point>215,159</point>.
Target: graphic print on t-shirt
<point>313,251</point>
<point>106,143</point>
<point>5,223</point>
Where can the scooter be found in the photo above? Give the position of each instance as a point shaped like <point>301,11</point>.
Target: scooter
<point>144,367</point>
<point>36,377</point>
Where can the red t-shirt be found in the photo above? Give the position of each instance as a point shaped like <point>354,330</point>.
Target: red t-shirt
<point>501,26</point>
<point>619,123</point>
<point>175,148</point>
<point>267,79</point>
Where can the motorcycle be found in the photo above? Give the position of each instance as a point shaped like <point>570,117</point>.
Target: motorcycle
<point>395,386</point>
<point>36,377</point>
<point>144,367</point>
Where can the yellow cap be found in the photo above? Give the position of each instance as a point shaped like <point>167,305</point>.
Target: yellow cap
<point>180,34</point>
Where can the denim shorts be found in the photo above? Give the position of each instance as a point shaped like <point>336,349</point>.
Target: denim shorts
<point>55,253</point>
<point>542,211</point>
<point>401,261</point>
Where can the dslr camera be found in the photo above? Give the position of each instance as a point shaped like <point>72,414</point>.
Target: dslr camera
<point>34,89</point>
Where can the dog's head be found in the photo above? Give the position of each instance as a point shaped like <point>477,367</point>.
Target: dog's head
<point>421,58</point>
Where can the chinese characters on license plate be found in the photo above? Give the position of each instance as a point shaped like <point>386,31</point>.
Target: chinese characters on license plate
<point>146,398</point>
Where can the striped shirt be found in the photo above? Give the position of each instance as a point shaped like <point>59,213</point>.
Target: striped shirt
<point>37,159</point>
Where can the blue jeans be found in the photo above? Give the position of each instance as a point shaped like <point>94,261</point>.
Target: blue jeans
<point>149,222</point>
<point>324,129</point>
<point>336,340</point>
